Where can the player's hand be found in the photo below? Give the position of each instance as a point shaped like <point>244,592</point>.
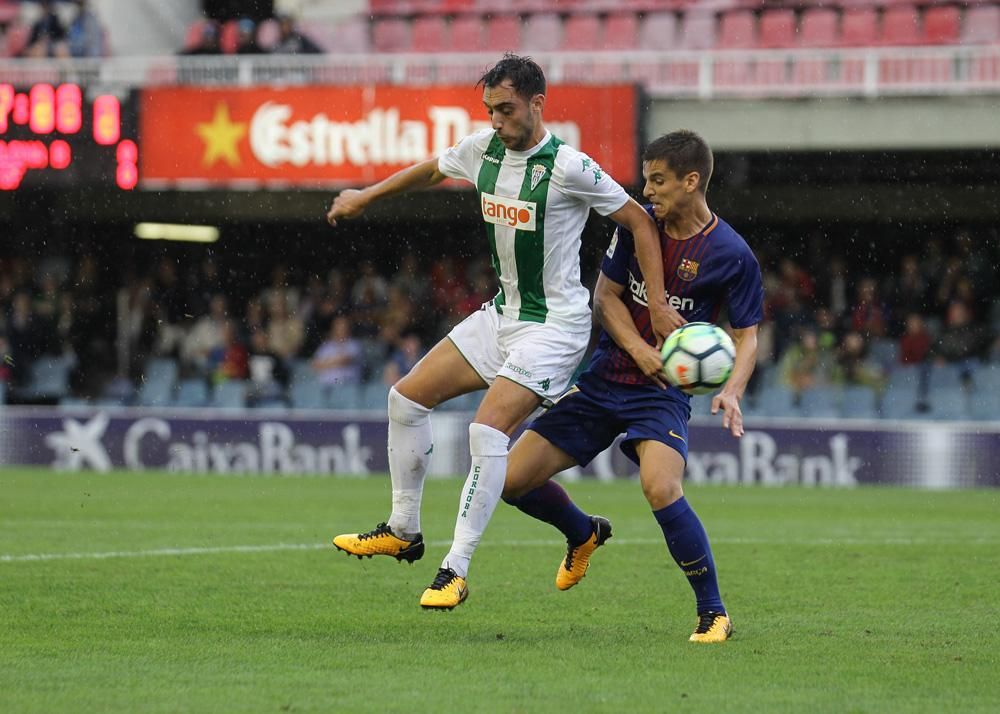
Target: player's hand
<point>347,204</point>
<point>665,319</point>
<point>650,361</point>
<point>732,416</point>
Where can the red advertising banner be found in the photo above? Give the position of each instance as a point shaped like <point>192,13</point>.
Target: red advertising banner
<point>351,135</point>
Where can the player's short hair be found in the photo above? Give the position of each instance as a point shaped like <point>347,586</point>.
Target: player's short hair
<point>683,151</point>
<point>524,74</point>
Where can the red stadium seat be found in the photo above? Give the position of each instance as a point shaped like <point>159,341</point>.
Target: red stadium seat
<point>17,39</point>
<point>777,28</point>
<point>819,27</point>
<point>982,25</point>
<point>736,30</point>
<point>697,31</point>
<point>9,11</point>
<point>859,27</point>
<point>466,33</point>
<point>352,36</point>
<point>941,25</point>
<point>658,31</point>
<point>390,34</point>
<point>230,36</point>
<point>503,33</point>
<point>542,32</point>
<point>581,32</point>
<point>621,31</point>
<point>429,34</point>
<point>901,26</point>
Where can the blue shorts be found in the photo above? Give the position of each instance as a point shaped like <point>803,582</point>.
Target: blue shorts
<point>587,419</point>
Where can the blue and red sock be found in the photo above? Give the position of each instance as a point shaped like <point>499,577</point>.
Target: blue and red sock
<point>550,503</point>
<point>688,544</point>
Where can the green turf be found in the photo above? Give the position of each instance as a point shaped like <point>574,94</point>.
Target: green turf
<point>871,600</point>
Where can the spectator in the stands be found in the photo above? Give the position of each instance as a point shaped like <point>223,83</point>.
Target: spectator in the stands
<point>48,34</point>
<point>206,336</point>
<point>408,352</point>
<point>285,331</point>
<point>805,364</point>
<point>962,341</point>
<point>246,38</point>
<point>268,373</point>
<point>23,336</point>
<point>229,360</point>
<point>208,41</point>
<point>915,344</point>
<point>910,290</point>
<point>853,366</point>
<point>291,41</point>
<point>868,316</point>
<point>339,359</point>
<point>85,34</point>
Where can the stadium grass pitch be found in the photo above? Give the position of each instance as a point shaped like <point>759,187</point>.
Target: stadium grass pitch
<point>154,592</point>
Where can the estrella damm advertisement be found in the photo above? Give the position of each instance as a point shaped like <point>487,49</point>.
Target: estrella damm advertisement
<point>302,136</point>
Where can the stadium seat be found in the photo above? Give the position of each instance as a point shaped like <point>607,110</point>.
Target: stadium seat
<point>859,27</point>
<point>156,388</point>
<point>987,379</point>
<point>231,394</point>
<point>466,34</point>
<point>945,376</point>
<point>3,392</point>
<point>777,28</point>
<point>984,406</point>
<point>49,378</point>
<point>542,32</point>
<point>581,33</point>
<point>229,37</point>
<point>351,36</point>
<point>307,395</point>
<point>390,34</point>
<point>737,30</point>
<point>819,27</point>
<point>820,402</point>
<point>659,32</point>
<point>621,31</point>
<point>192,393</point>
<point>375,396</point>
<point>901,26</point>
<point>503,32</point>
<point>302,371</point>
<point>430,34</point>
<point>941,25</point>
<point>885,351</point>
<point>911,378</point>
<point>858,402</point>
<point>982,25</point>
<point>17,37</point>
<point>701,405</point>
<point>345,396</point>
<point>946,404</point>
<point>777,401</point>
<point>899,404</point>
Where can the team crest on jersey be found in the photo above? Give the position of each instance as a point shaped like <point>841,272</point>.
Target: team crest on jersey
<point>537,174</point>
<point>688,269</point>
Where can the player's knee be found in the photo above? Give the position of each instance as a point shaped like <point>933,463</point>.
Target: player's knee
<point>660,493</point>
<point>406,411</point>
<point>487,441</point>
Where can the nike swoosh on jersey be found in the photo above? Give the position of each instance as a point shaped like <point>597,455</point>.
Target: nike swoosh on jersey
<point>677,436</point>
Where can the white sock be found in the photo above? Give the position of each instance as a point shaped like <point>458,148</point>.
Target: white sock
<point>410,446</point>
<point>480,495</point>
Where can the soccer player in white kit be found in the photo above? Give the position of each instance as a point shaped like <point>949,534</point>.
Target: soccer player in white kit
<point>535,194</point>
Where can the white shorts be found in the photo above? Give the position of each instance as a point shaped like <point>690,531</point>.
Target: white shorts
<point>540,357</point>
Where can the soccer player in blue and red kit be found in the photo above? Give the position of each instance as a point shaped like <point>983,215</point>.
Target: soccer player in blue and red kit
<point>706,266</point>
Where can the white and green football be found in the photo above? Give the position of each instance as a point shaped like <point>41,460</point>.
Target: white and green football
<point>698,357</point>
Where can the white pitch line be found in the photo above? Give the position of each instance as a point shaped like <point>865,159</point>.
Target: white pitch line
<point>276,547</point>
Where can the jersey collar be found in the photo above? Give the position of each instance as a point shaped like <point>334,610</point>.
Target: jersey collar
<point>533,150</point>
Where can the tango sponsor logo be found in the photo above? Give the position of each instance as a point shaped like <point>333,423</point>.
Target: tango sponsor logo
<point>510,212</point>
<point>638,290</point>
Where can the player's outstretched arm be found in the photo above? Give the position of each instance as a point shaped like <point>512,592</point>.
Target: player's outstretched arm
<point>615,318</point>
<point>665,319</point>
<point>352,202</point>
<point>729,398</point>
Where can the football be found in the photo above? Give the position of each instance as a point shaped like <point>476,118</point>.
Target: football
<point>698,357</point>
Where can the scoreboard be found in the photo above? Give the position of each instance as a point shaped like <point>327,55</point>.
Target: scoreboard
<point>63,135</point>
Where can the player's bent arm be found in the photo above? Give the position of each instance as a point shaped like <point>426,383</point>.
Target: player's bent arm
<point>616,320</point>
<point>351,203</point>
<point>728,400</point>
<point>647,250</point>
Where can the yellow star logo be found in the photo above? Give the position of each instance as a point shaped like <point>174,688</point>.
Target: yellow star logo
<point>221,135</point>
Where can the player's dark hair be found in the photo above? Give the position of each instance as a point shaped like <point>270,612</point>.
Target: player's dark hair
<point>683,151</point>
<point>524,74</point>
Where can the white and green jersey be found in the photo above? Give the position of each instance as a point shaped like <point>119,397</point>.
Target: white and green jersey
<point>535,204</point>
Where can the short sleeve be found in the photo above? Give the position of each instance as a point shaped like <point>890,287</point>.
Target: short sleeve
<point>746,292</point>
<point>459,162</point>
<point>583,179</point>
<point>618,256</point>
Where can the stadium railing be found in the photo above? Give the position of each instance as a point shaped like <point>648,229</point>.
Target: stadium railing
<point>872,71</point>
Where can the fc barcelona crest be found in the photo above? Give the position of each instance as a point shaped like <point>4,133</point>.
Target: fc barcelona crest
<point>687,270</point>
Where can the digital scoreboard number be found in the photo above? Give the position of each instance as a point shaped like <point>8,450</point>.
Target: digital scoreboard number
<point>57,135</point>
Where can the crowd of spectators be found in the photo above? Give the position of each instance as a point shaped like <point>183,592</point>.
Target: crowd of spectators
<point>279,35</point>
<point>825,325</point>
<point>54,34</point>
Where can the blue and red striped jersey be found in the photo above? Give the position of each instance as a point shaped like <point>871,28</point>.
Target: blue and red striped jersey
<point>713,269</point>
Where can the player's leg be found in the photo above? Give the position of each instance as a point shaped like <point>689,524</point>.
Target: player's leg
<point>441,375</point>
<point>502,410</point>
<point>661,469</point>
